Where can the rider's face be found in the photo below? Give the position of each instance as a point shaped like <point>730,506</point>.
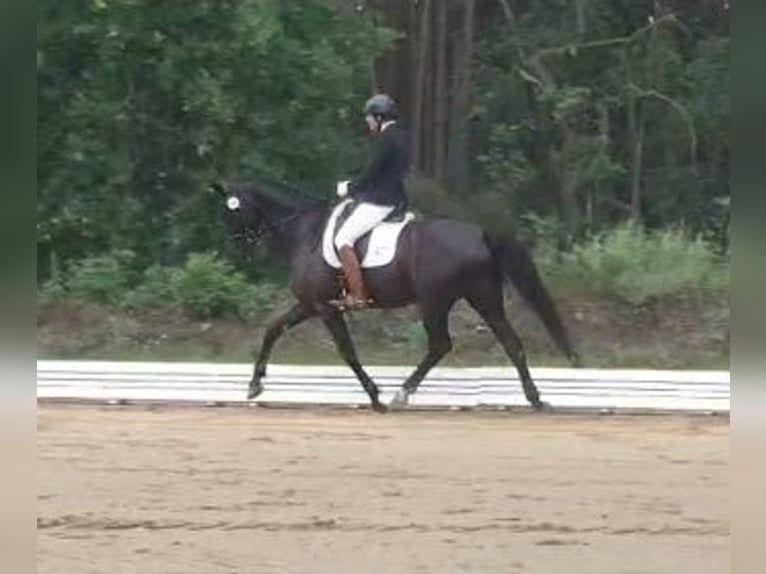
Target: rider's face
<point>372,123</point>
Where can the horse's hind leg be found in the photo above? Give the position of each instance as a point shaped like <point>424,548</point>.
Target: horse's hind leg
<point>336,324</point>
<point>487,300</point>
<point>294,316</point>
<point>439,344</point>
<point>515,351</point>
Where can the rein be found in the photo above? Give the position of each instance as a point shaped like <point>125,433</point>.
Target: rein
<point>254,236</point>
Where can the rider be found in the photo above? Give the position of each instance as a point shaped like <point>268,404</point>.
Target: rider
<point>377,192</point>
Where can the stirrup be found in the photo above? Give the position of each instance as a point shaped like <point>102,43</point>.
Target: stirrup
<point>351,303</point>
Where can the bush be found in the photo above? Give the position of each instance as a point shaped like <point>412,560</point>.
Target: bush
<point>208,287</point>
<point>156,290</point>
<point>101,279</point>
<point>636,265</point>
<point>52,291</point>
<point>205,286</point>
<point>259,298</point>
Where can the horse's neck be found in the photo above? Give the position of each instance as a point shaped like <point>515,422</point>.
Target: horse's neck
<point>311,228</point>
<point>300,234</point>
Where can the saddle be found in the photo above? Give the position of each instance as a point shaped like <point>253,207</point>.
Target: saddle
<point>374,249</point>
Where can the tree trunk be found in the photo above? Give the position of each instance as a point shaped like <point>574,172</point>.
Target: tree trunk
<point>457,153</point>
<point>603,142</point>
<point>636,131</point>
<point>391,76</point>
<point>637,165</point>
<point>429,78</point>
<point>567,188</point>
<point>440,91</point>
<point>507,11</point>
<point>418,91</point>
<point>580,17</point>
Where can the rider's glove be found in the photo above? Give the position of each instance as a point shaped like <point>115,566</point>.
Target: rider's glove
<point>342,188</point>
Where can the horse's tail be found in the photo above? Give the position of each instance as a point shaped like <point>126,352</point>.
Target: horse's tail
<point>515,263</point>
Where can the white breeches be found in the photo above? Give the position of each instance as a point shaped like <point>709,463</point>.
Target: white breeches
<point>364,217</point>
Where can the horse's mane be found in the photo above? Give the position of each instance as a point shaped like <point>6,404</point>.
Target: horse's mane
<point>288,195</point>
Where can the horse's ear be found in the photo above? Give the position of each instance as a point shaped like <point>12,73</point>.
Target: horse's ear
<point>219,188</point>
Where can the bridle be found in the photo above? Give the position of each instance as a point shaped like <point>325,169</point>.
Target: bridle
<point>254,236</point>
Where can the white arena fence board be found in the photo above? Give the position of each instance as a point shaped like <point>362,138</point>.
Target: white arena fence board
<point>705,391</point>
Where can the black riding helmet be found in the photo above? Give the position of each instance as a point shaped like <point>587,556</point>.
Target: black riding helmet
<point>381,106</point>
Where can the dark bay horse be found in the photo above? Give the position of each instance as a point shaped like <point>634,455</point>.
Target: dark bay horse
<point>437,263</point>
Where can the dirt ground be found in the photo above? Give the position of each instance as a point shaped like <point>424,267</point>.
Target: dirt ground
<point>229,490</point>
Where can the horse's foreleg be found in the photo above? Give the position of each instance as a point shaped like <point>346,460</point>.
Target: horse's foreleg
<point>439,344</point>
<point>294,316</point>
<point>336,324</point>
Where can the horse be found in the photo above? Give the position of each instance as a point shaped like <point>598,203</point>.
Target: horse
<point>437,263</point>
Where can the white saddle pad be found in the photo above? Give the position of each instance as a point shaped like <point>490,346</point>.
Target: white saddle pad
<point>382,245</point>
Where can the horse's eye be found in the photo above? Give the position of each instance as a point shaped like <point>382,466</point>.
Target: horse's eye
<point>233,203</point>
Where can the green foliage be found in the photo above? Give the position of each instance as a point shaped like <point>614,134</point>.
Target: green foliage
<point>204,287</point>
<point>142,104</point>
<point>637,266</point>
<point>566,96</point>
<point>100,279</point>
<point>157,289</point>
<point>506,164</point>
<point>260,299</point>
<point>707,84</point>
<point>51,292</point>
<point>208,287</point>
<point>543,233</point>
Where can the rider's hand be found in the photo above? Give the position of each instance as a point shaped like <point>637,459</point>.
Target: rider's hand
<point>342,188</point>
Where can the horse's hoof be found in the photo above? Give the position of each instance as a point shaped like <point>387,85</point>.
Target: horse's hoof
<point>400,400</point>
<point>379,408</point>
<point>254,390</point>
<point>542,407</point>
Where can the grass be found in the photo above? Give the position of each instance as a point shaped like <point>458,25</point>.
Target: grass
<point>637,266</point>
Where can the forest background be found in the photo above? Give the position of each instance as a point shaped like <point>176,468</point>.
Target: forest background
<point>596,130</point>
